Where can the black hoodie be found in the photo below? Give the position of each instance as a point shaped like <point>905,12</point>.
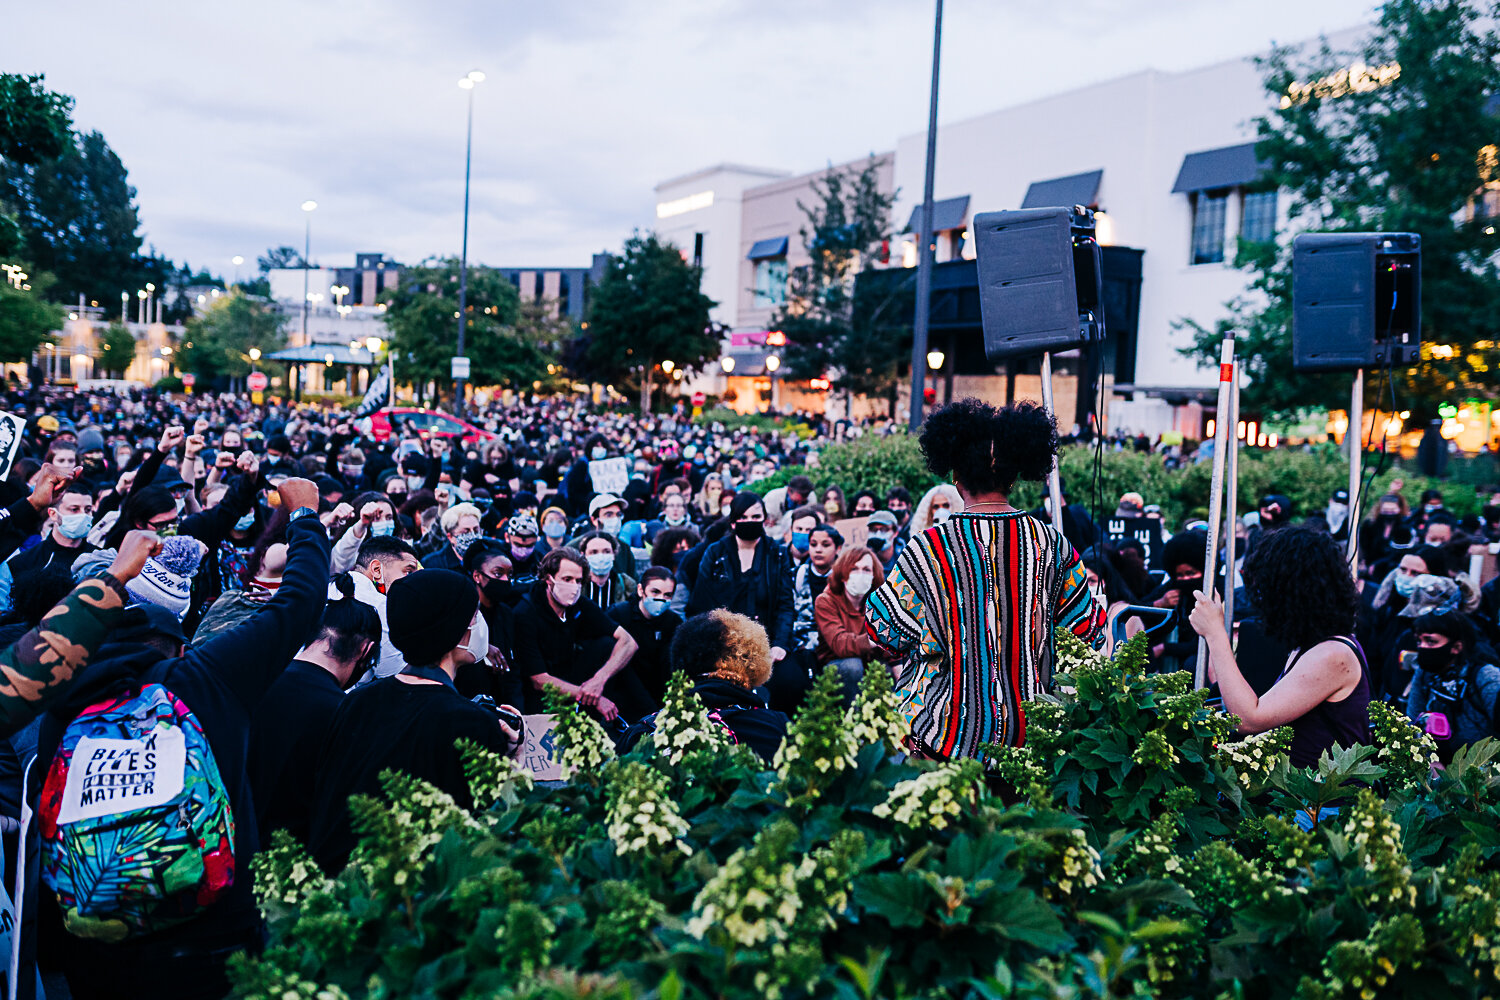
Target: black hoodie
<point>222,682</point>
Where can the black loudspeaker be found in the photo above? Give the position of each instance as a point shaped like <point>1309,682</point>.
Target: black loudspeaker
<point>1041,281</point>
<point>1356,300</point>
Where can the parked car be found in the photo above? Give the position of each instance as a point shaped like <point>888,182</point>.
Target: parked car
<point>429,423</point>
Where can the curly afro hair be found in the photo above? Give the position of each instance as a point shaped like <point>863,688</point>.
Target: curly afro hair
<point>725,645</point>
<point>984,449</point>
<point>1300,583</point>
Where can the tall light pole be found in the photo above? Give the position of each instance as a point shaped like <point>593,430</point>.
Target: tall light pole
<point>924,239</point>
<point>307,207</point>
<point>237,260</point>
<point>467,83</point>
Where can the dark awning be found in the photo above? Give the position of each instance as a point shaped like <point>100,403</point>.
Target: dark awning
<point>773,247</point>
<point>950,213</point>
<point>1231,166</point>
<point>1079,189</point>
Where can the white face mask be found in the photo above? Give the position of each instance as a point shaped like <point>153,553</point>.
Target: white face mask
<point>479,638</point>
<point>941,514</point>
<point>566,592</point>
<point>859,583</point>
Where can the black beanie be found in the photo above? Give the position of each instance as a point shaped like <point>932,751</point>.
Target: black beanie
<point>1185,547</point>
<point>428,612</point>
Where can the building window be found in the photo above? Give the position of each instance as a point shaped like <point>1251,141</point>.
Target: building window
<point>1258,224</point>
<point>770,282</point>
<point>1209,211</point>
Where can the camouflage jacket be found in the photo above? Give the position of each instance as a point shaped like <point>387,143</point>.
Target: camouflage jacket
<point>36,671</point>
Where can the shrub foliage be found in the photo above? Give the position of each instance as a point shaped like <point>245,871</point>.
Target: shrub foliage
<point>1135,847</point>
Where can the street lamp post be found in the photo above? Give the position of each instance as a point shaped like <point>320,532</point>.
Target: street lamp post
<point>237,260</point>
<point>924,237</point>
<point>307,207</point>
<point>467,83</point>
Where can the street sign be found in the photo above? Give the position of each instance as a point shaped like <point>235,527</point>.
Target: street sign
<point>189,380</point>
<point>257,381</point>
<point>461,368</point>
<point>699,399</point>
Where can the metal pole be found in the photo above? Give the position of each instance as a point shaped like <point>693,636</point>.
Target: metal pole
<point>391,385</point>
<point>1054,478</point>
<point>1356,458</point>
<point>1231,503</point>
<point>924,238</point>
<point>1223,431</point>
<point>306,265</point>
<point>463,260</point>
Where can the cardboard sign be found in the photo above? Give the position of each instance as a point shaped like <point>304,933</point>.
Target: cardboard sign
<point>109,776</point>
<point>12,430</point>
<point>1146,530</point>
<point>541,756</point>
<point>610,475</point>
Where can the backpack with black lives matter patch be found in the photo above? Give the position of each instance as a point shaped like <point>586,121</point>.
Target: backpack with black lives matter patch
<point>136,827</point>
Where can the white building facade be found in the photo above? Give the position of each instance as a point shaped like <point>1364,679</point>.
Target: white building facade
<point>1166,158</point>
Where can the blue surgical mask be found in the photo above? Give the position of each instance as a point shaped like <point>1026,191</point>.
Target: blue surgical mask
<point>245,523</point>
<point>879,539</point>
<point>801,540</point>
<point>653,606</point>
<point>600,563</point>
<point>597,453</point>
<point>415,482</point>
<point>554,530</point>
<point>1405,585</point>
<point>381,529</point>
<point>75,526</point>
<point>610,524</point>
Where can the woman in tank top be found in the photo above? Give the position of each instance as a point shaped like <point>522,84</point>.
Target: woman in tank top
<point>1299,582</point>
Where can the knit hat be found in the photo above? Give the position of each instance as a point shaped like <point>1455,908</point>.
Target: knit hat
<point>90,439</point>
<point>428,612</point>
<point>167,578</point>
<point>521,524</point>
<point>1436,594</point>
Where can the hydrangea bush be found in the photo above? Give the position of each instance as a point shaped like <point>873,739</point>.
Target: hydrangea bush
<point>1137,846</point>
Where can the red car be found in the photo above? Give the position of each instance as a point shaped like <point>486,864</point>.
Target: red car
<point>429,423</point>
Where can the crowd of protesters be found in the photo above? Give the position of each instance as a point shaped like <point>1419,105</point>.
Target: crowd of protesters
<point>301,604</point>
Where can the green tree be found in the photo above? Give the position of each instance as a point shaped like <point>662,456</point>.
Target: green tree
<point>27,320</point>
<point>277,258</point>
<point>35,125</point>
<point>217,342</point>
<point>116,349</point>
<point>1400,143</point>
<point>78,220</point>
<point>648,308</point>
<point>422,315</point>
<point>827,331</point>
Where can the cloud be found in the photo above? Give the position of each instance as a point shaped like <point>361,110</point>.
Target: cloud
<point>229,116</point>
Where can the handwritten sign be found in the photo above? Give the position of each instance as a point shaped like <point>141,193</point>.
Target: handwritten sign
<point>610,475</point>
<point>542,756</point>
<point>109,776</point>
<point>1146,530</point>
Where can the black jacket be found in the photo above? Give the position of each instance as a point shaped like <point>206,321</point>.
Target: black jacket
<point>742,712</point>
<point>222,682</point>
<point>764,593</point>
<point>546,644</point>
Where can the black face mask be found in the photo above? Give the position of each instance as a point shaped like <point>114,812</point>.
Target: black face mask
<point>749,531</point>
<point>497,591</point>
<point>1388,518</point>
<point>1437,659</point>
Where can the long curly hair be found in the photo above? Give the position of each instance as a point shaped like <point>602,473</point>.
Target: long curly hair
<point>984,449</point>
<point>1299,581</point>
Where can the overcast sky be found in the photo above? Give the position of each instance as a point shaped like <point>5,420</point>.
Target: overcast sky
<point>229,115</point>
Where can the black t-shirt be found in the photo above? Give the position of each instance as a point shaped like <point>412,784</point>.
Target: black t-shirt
<point>396,725</point>
<point>286,738</point>
<point>653,637</point>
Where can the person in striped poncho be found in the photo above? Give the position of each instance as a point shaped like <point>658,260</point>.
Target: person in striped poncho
<point>967,614</point>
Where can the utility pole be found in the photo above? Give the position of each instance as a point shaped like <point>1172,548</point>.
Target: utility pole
<point>924,239</point>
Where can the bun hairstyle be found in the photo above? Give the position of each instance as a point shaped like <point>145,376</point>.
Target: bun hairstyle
<point>986,449</point>
<point>347,622</point>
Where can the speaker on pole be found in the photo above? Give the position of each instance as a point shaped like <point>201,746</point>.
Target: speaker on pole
<point>1356,301</point>
<point>1041,282</point>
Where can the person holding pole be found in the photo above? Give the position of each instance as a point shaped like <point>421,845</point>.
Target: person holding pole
<point>968,612</point>
<point>1298,579</point>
